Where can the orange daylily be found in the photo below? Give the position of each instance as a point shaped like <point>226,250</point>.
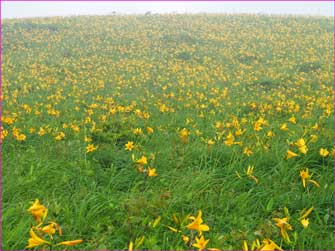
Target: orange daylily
<point>283,224</point>
<point>35,241</point>
<point>197,223</point>
<point>305,176</point>
<point>38,211</point>
<point>70,243</point>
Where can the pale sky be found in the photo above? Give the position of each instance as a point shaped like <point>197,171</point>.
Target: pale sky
<point>43,9</point>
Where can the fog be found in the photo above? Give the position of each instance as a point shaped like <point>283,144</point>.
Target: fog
<point>43,9</point>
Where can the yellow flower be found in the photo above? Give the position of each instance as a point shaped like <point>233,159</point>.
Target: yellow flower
<point>324,152</point>
<point>269,245</point>
<point>15,131</point>
<point>314,138</point>
<point>21,137</point>
<point>306,213</point>
<point>239,132</point>
<point>173,229</point>
<point>249,172</point>
<point>186,239</point>
<point>283,224</point>
<point>70,243</point>
<point>262,121</point>
<point>131,246</point>
<point>197,223</point>
<point>129,146</point>
<point>303,149</point>
<point>91,148</point>
<point>230,139</point>
<point>292,120</point>
<point>152,172</point>
<point>290,154</point>
<point>284,127</point>
<point>60,136</point>
<point>3,134</point>
<point>302,145</point>
<point>155,222</point>
<point>219,125</point>
<point>150,130</point>
<point>305,222</point>
<point>300,142</point>
<point>269,134</point>
<point>139,241</point>
<point>142,161</point>
<point>305,176</point>
<point>247,151</point>
<point>258,124</point>
<point>188,121</point>
<point>51,229</point>
<point>210,142</point>
<point>315,127</point>
<point>38,211</point>
<point>245,246</point>
<point>255,245</point>
<point>87,139</point>
<point>41,131</point>
<point>200,243</point>
<point>8,120</point>
<point>35,241</point>
<point>75,128</point>
<point>138,131</point>
<point>184,133</point>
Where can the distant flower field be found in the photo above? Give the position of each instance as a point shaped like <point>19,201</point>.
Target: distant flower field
<point>161,132</point>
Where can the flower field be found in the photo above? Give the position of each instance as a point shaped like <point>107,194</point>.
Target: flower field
<point>164,132</point>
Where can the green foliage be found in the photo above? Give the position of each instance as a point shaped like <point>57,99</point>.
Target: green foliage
<point>98,78</point>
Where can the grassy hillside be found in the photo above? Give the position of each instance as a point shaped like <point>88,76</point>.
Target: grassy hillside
<point>125,126</point>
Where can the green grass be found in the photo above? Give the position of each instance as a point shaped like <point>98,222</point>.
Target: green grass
<point>204,69</point>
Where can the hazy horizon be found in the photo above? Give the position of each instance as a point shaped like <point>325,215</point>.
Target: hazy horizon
<point>71,8</point>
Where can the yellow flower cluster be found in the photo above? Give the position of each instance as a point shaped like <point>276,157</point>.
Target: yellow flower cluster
<point>221,86</point>
<point>284,226</point>
<point>142,162</point>
<point>40,212</point>
<point>197,225</point>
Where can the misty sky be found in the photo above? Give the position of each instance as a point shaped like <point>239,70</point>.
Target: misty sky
<point>42,9</point>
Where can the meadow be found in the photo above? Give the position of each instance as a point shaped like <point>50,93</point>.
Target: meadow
<point>168,132</point>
